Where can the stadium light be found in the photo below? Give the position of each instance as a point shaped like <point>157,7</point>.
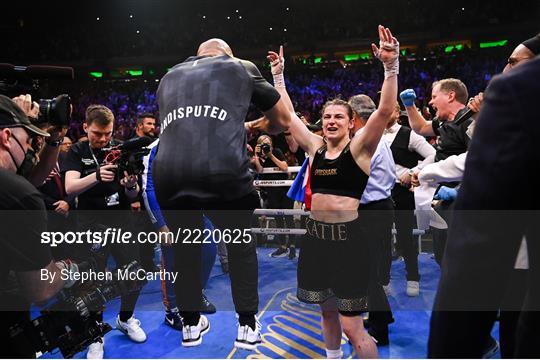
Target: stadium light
<point>450,48</point>
<point>135,72</point>
<point>356,57</point>
<point>490,44</point>
<point>96,74</point>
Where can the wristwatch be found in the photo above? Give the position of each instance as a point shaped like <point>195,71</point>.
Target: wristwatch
<point>410,172</point>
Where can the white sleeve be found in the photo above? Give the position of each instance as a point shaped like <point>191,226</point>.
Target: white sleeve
<point>450,169</point>
<point>420,145</point>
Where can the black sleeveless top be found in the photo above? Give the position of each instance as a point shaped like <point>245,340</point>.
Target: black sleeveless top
<point>340,176</point>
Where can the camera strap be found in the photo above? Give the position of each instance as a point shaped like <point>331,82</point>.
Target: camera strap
<point>98,174</point>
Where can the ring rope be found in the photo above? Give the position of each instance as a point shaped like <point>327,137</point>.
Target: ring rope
<point>276,170</point>
<point>280,212</point>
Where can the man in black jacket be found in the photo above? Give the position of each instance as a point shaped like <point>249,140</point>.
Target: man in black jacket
<point>103,193</point>
<point>501,169</point>
<point>23,221</point>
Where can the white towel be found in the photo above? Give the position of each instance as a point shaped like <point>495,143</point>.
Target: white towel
<point>426,216</point>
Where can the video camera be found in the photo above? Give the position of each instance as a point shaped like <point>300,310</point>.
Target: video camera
<point>67,324</point>
<point>128,156</point>
<point>17,80</point>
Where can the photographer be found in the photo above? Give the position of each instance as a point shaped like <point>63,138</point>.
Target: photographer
<point>20,250</point>
<point>267,156</point>
<point>54,136</point>
<point>98,188</point>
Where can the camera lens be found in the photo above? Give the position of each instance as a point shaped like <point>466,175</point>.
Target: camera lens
<point>56,112</point>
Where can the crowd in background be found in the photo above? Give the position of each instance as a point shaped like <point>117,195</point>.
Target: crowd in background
<point>309,86</point>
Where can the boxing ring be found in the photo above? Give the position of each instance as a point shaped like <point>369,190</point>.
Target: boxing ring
<point>290,329</point>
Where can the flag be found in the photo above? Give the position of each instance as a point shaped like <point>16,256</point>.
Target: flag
<point>300,190</point>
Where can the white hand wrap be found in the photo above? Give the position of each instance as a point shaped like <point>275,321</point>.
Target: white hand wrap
<point>279,80</point>
<point>391,67</point>
<point>278,67</point>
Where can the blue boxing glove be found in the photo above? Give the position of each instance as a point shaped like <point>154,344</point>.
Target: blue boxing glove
<point>445,193</point>
<point>408,97</point>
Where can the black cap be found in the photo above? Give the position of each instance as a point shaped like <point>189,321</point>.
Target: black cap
<point>11,115</point>
<point>533,44</point>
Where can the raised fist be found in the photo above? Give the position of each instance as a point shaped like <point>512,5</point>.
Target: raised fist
<point>408,97</point>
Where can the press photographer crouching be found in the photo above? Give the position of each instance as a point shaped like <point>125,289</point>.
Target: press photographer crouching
<point>22,257</point>
<point>99,177</point>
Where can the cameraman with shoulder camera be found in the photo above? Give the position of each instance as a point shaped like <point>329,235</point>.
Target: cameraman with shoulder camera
<point>98,188</point>
<point>20,250</point>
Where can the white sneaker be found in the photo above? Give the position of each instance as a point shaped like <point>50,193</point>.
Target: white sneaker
<point>413,288</point>
<point>192,335</point>
<point>247,338</point>
<point>132,328</point>
<point>96,350</point>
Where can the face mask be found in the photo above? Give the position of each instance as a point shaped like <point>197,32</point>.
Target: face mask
<point>28,163</point>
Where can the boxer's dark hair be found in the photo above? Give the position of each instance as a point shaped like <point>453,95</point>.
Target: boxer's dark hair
<point>338,102</point>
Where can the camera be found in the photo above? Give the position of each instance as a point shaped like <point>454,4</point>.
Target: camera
<point>129,155</point>
<point>16,80</point>
<point>67,324</point>
<point>265,148</point>
<point>56,112</point>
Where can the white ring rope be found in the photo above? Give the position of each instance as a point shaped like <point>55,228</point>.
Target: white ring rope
<point>296,212</point>
<point>280,212</point>
<point>276,231</point>
<point>416,232</point>
<point>276,170</point>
